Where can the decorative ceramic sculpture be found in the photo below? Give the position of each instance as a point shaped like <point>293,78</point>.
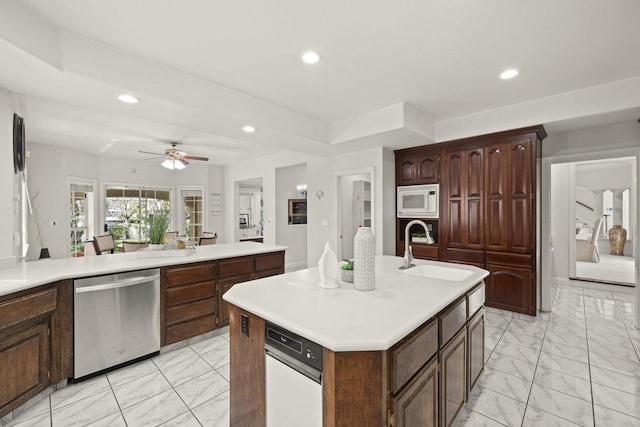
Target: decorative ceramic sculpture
<point>328,268</point>
<point>364,263</point>
<point>617,239</point>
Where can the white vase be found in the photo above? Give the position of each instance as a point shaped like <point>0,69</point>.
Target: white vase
<point>364,262</point>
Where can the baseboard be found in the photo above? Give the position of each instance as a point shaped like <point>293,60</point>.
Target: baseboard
<point>623,289</point>
<point>294,266</point>
<point>561,280</point>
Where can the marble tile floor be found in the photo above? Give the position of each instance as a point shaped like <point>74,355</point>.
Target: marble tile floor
<point>577,365</point>
<point>187,386</point>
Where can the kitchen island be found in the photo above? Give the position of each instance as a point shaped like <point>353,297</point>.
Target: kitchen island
<point>406,353</point>
<point>37,306</point>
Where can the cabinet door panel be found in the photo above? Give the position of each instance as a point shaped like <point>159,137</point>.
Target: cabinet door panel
<point>496,227</point>
<point>417,404</point>
<point>496,168</point>
<point>509,288</point>
<point>24,365</point>
<point>520,230</point>
<point>476,349</point>
<point>453,377</point>
<point>428,169</point>
<point>475,182</point>
<point>455,175</point>
<point>521,166</point>
<point>455,223</point>
<point>406,171</point>
<point>474,227</point>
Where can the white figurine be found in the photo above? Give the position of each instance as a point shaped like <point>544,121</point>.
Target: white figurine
<point>328,268</point>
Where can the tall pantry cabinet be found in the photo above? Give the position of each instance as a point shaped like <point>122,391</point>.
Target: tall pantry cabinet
<point>488,209</point>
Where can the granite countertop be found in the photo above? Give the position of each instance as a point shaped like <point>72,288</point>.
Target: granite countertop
<point>31,274</point>
<point>344,319</point>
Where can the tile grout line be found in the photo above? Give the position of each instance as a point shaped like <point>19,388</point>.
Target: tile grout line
<point>586,326</point>
<point>178,394</point>
<point>117,403</point>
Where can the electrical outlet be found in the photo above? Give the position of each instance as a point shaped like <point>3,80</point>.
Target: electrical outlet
<point>244,324</point>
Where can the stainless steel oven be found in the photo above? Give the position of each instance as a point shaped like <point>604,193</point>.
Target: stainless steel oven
<point>116,320</point>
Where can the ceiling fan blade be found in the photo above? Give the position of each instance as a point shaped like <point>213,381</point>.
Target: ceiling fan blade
<point>184,162</point>
<point>203,159</point>
<point>149,152</point>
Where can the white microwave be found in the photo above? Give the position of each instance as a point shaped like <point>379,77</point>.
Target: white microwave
<point>419,201</point>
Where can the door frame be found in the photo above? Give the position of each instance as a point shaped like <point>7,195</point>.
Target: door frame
<point>545,223</point>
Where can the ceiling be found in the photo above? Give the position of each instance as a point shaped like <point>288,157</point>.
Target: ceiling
<point>391,73</point>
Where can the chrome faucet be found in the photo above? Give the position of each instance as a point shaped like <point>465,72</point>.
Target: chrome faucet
<point>408,253</point>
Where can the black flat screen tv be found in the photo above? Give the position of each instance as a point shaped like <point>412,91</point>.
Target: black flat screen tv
<point>18,144</point>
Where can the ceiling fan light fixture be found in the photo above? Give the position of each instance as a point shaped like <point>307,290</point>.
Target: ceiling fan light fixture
<point>173,164</point>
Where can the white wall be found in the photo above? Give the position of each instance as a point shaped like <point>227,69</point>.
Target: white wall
<point>49,166</point>
<point>9,186</point>
<point>603,138</point>
<point>560,221</point>
<point>292,236</point>
<point>215,185</point>
<point>320,176</point>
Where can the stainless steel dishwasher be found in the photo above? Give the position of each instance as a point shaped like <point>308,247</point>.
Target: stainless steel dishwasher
<point>293,379</point>
<point>116,320</point>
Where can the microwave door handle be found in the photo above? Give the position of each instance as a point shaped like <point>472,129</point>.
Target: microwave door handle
<point>121,284</point>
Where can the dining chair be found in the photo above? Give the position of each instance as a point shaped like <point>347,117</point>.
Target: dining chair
<point>134,246</point>
<point>89,248</point>
<point>587,250</point>
<point>207,240</point>
<point>104,244</point>
<point>209,234</point>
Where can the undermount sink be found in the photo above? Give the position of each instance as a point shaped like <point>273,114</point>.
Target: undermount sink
<point>441,273</point>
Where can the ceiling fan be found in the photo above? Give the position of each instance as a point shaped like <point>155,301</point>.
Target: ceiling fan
<point>174,158</point>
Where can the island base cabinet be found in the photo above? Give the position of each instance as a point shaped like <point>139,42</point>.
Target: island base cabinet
<point>24,365</point>
<point>417,403</point>
<point>475,348</point>
<point>453,380</point>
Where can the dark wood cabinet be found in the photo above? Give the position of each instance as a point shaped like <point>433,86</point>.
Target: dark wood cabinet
<point>191,301</point>
<point>464,194</point>
<point>25,364</point>
<point>453,380</point>
<point>475,349</point>
<point>428,169</point>
<point>487,207</point>
<point>416,169</point>
<point>417,403</point>
<point>510,288</point>
<point>36,347</point>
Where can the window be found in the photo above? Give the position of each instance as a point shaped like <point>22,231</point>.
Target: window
<point>193,212</point>
<point>129,210</point>
<point>81,214</point>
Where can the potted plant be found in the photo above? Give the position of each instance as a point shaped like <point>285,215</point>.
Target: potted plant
<point>159,226</point>
<point>346,271</point>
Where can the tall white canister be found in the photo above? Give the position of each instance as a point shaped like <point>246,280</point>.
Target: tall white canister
<point>364,260</point>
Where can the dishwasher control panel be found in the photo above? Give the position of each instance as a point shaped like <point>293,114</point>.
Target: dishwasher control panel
<point>299,348</point>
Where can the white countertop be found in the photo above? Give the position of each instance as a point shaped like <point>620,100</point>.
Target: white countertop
<point>31,274</point>
<point>344,319</point>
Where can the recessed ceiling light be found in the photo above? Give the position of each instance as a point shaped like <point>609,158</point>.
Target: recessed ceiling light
<point>508,74</point>
<point>249,129</point>
<point>310,57</point>
<point>129,99</point>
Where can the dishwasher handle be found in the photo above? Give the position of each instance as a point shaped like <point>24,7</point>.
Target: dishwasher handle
<point>121,284</point>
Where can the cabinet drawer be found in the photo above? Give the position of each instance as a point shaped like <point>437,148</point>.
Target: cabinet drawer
<point>469,256</point>
<point>515,260</point>
<point>235,267</point>
<point>425,251</point>
<point>182,331</point>
<point>197,291</point>
<point>268,273</point>
<point>270,261</point>
<point>178,276</point>
<point>412,354</point>
<point>475,300</point>
<point>452,320</point>
<point>27,307</point>
<point>192,310</point>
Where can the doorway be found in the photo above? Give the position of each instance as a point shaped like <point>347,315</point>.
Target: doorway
<point>574,197</point>
<point>354,207</point>
<point>250,218</point>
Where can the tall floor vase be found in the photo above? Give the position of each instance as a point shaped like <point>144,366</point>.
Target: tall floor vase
<point>617,239</point>
<point>364,260</point>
